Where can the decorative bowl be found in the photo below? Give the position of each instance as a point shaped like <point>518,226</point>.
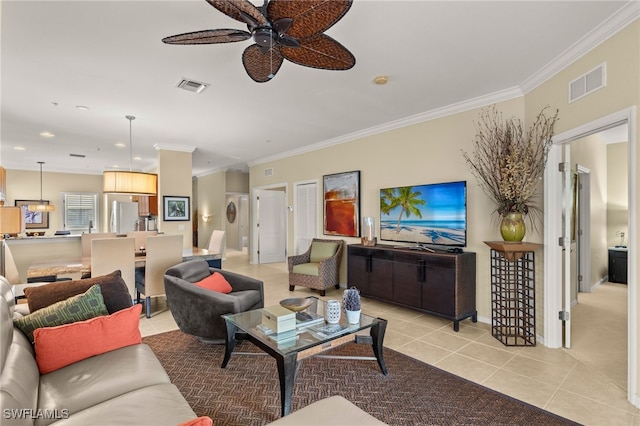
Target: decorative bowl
<point>296,304</point>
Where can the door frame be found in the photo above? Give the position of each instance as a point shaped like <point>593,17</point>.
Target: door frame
<point>296,208</point>
<point>584,229</point>
<point>253,238</point>
<point>553,229</point>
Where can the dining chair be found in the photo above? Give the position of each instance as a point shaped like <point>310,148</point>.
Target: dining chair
<point>163,252</point>
<point>13,275</point>
<point>112,254</point>
<point>217,242</point>
<point>85,241</point>
<point>141,238</point>
<point>217,245</point>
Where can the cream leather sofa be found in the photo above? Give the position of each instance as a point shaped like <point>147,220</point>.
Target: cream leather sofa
<point>126,386</point>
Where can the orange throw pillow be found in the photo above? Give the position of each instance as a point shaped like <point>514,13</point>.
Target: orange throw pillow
<point>215,282</point>
<point>199,421</point>
<point>57,347</point>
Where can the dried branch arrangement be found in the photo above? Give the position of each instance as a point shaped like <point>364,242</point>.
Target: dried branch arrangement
<point>509,162</point>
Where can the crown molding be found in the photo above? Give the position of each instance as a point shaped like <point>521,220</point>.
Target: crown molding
<point>469,104</point>
<point>612,25</point>
<point>173,147</point>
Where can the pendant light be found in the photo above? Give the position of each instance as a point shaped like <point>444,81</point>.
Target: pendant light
<point>41,206</point>
<point>132,183</point>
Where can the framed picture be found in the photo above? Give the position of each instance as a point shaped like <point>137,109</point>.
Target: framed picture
<point>175,208</point>
<point>342,204</point>
<point>33,220</point>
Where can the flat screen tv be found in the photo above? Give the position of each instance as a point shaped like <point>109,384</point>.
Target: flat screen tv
<point>433,214</point>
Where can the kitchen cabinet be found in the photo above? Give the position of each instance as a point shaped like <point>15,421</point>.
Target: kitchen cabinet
<point>146,204</point>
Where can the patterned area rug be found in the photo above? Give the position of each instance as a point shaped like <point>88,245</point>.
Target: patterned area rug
<point>413,393</point>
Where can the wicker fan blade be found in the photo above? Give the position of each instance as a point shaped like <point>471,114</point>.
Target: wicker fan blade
<point>309,16</point>
<point>260,66</point>
<point>208,37</point>
<point>320,51</point>
<point>236,8</point>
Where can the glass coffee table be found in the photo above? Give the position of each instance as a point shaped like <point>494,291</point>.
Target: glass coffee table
<point>306,342</point>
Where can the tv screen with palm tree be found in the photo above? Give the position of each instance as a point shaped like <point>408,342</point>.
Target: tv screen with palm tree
<point>425,214</point>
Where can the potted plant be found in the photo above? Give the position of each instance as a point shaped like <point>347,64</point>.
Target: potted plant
<point>351,304</point>
<point>509,165</point>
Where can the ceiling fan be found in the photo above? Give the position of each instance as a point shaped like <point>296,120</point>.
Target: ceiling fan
<point>281,29</point>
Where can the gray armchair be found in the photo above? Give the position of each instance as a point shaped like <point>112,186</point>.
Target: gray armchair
<point>196,310</point>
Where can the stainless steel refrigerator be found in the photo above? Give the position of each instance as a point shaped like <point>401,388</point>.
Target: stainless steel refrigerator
<point>124,215</point>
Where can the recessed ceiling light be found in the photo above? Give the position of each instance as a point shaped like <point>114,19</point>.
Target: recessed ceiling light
<point>47,134</point>
<point>137,158</point>
<point>381,80</point>
<point>19,148</point>
<point>120,145</point>
<point>82,107</point>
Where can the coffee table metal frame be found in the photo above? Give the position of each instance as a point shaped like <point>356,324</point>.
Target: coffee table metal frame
<point>308,343</point>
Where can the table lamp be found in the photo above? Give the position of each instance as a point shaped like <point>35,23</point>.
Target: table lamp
<point>10,223</point>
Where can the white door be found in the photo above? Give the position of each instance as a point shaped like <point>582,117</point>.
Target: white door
<point>305,214</point>
<point>272,214</point>
<point>568,225</point>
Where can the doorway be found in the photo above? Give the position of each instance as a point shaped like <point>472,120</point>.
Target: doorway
<point>269,224</point>
<point>553,326</point>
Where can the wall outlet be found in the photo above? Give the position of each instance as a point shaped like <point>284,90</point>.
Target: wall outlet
<point>180,227</point>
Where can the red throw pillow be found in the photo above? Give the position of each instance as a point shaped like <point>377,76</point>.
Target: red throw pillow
<point>216,282</point>
<point>57,347</point>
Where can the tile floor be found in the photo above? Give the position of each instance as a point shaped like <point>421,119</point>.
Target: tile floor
<point>584,383</point>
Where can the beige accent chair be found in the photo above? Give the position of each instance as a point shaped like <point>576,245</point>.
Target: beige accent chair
<point>112,254</point>
<point>141,238</point>
<point>85,240</point>
<point>317,268</point>
<point>163,252</point>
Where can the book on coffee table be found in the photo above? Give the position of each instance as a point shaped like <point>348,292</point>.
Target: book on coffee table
<point>284,336</point>
<point>307,319</point>
<point>330,330</point>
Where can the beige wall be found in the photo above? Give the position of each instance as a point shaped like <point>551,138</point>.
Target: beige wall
<point>427,152</point>
<point>617,193</point>
<point>622,55</point>
<point>174,179</point>
<point>211,201</point>
<point>25,185</point>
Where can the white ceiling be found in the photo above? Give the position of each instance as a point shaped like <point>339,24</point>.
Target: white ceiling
<point>107,55</point>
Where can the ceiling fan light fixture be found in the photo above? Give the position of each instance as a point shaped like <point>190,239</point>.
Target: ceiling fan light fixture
<point>132,183</point>
<point>41,205</point>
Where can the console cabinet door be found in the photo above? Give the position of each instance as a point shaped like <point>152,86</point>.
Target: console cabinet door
<point>358,272</point>
<point>438,292</point>
<point>381,277</point>
<point>408,279</point>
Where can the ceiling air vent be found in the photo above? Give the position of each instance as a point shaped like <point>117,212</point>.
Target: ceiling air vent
<point>588,83</point>
<point>77,155</point>
<point>192,85</point>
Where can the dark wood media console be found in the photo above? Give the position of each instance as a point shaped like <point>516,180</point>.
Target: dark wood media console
<point>442,284</point>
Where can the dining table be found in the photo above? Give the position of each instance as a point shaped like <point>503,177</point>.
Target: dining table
<point>82,264</point>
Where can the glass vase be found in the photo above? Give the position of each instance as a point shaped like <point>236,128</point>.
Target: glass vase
<point>512,227</point>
